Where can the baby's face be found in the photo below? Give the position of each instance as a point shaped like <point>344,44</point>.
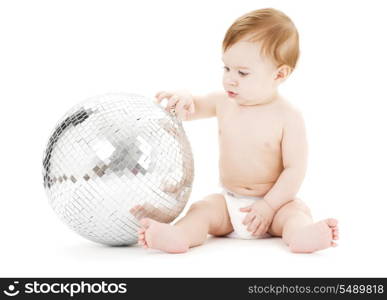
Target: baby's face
<point>249,78</point>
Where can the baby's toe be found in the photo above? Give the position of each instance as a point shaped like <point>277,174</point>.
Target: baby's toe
<point>335,233</point>
<point>332,223</point>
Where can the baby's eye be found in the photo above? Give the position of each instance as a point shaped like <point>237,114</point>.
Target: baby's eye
<point>226,68</point>
<point>242,73</point>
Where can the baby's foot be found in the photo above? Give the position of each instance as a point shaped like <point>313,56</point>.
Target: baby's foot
<point>315,237</point>
<point>162,236</point>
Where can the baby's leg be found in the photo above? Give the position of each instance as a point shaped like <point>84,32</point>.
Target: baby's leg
<point>294,223</point>
<point>208,216</point>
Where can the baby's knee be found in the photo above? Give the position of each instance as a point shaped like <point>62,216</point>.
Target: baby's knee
<point>214,209</point>
<point>298,205</point>
<point>198,205</point>
<point>292,207</point>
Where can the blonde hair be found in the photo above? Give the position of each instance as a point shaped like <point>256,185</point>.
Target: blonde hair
<point>273,29</point>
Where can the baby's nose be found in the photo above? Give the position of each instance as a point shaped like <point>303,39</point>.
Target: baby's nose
<point>231,81</point>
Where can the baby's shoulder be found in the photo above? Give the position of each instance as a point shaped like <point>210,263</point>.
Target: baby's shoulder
<point>290,112</point>
<point>289,109</point>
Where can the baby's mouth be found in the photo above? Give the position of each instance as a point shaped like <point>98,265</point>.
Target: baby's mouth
<point>231,94</point>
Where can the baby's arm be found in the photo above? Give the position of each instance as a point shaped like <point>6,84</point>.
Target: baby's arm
<point>188,107</point>
<point>294,156</point>
<point>205,105</point>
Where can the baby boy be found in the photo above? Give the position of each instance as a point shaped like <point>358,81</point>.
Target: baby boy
<point>263,147</point>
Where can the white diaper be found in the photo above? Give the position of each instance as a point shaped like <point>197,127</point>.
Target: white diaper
<point>234,203</point>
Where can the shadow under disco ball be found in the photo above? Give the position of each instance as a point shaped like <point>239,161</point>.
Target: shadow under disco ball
<point>111,153</point>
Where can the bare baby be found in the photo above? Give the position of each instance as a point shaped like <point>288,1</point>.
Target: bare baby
<point>262,146</point>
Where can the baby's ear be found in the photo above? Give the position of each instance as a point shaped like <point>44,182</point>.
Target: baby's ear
<point>283,72</point>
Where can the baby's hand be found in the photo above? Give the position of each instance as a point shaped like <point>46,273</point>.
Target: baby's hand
<point>259,217</point>
<point>181,103</point>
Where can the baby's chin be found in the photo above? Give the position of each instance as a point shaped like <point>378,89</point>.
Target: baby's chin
<point>245,102</point>
<point>251,102</point>
<point>238,99</point>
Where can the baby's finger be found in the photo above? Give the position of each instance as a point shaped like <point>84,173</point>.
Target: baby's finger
<point>254,225</point>
<point>157,96</point>
<point>180,110</point>
<point>248,218</point>
<point>136,211</point>
<point>191,108</point>
<point>172,102</point>
<point>261,229</point>
<point>133,210</point>
<point>161,95</point>
<point>245,209</point>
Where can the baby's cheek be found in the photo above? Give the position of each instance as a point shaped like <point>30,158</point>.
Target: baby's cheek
<point>255,89</point>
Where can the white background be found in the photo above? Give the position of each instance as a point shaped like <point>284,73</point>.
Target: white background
<point>54,54</point>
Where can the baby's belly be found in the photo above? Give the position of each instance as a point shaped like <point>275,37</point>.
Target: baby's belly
<point>248,176</point>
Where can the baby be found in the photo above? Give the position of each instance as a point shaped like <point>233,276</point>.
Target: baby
<point>263,147</point>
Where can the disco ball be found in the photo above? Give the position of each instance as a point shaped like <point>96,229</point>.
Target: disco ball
<point>109,156</point>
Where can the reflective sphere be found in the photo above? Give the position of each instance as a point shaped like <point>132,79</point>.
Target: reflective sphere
<point>114,159</point>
